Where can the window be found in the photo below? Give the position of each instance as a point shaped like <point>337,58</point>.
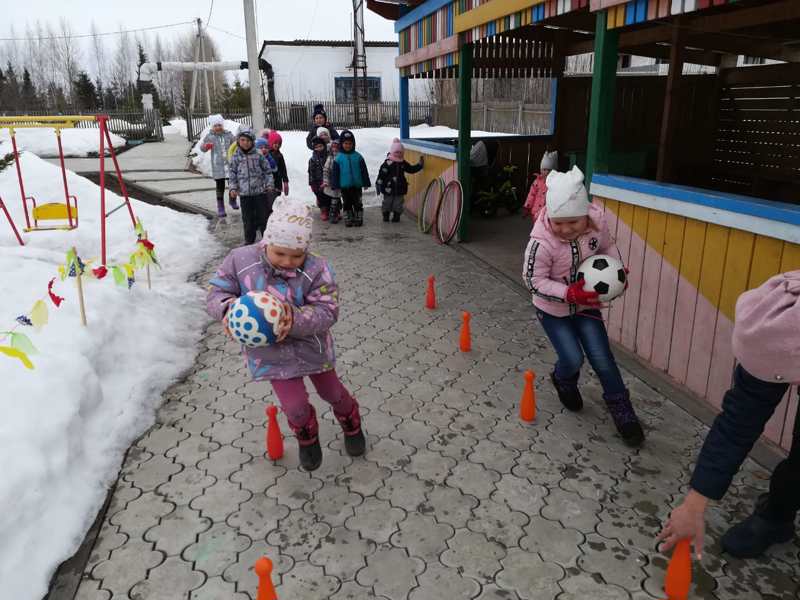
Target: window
<point>344,89</point>
<point>753,60</point>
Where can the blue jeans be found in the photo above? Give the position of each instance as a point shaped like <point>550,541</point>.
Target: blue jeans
<point>576,335</point>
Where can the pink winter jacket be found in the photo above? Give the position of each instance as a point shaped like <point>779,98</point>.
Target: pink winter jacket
<point>551,263</point>
<point>536,197</point>
<point>766,335</point>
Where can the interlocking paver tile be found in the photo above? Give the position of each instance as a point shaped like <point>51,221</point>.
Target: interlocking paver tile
<point>474,555</point>
<point>579,586</point>
<point>449,505</point>
<point>242,571</point>
<point>437,578</point>
<point>216,588</point>
<point>160,439</point>
<point>308,582</point>
<point>294,489</point>
<point>614,562</point>
<point>216,549</point>
<point>108,539</point>
<point>423,537</point>
<point>571,510</point>
<point>177,530</point>
<point>186,485</point>
<point>389,453</point>
<point>518,494</point>
<point>259,474</point>
<point>375,519</point>
<point>258,516</point>
<point>298,534</point>
<point>391,573</point>
<point>342,553</point>
<point>404,491</point>
<point>224,462</point>
<point>473,479</point>
<point>498,523</point>
<point>148,475</point>
<point>220,500</point>
<point>192,450</point>
<point>141,514</point>
<point>170,580</point>
<point>552,541</point>
<point>530,576</point>
<point>334,504</point>
<point>126,566</point>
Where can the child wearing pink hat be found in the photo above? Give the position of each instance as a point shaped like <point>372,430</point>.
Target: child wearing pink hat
<point>766,342</point>
<point>282,265</point>
<point>274,143</point>
<point>391,182</point>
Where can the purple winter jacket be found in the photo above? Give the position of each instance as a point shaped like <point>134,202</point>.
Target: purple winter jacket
<point>313,294</point>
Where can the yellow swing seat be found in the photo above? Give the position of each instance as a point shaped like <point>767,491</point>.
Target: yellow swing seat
<point>54,211</point>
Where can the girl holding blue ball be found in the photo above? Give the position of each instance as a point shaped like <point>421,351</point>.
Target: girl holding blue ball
<point>290,337</point>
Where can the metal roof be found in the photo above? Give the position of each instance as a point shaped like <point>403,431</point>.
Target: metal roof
<point>329,43</point>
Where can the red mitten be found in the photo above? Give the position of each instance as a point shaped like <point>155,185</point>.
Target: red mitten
<point>577,295</point>
<point>208,146</point>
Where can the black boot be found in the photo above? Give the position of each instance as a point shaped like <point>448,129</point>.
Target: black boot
<point>335,207</point>
<point>568,392</point>
<point>621,409</point>
<point>308,441</point>
<point>349,218</point>
<point>752,537</point>
<point>386,217</point>
<point>354,442</point>
<point>359,218</point>
<point>396,217</point>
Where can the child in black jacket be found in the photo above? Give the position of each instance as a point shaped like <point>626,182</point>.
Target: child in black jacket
<point>392,182</point>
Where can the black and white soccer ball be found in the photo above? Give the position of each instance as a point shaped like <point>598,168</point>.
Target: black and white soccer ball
<point>605,275</point>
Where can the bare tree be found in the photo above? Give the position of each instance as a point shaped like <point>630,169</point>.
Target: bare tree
<point>69,54</point>
<point>123,64</point>
<point>99,51</point>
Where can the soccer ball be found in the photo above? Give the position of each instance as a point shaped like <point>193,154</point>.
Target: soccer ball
<point>605,275</point>
<point>253,319</point>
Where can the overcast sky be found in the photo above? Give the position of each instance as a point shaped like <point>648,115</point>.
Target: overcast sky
<point>277,19</point>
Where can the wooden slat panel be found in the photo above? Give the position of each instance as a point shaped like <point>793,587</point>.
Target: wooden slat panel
<point>667,291</point>
<point>766,260</point>
<point>705,318</point>
<point>686,303</point>
<point>791,415</point>
<point>780,74</point>
<point>651,276</point>
<point>746,116</point>
<point>790,259</point>
<point>636,266</point>
<point>610,210</point>
<point>616,314</point>
<point>759,92</point>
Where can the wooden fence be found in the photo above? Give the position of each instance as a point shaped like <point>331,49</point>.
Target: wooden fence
<point>134,126</point>
<point>499,117</point>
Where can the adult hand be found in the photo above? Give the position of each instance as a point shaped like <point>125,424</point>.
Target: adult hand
<point>285,188</point>
<point>227,305</point>
<point>285,324</point>
<point>577,295</point>
<point>208,146</point>
<point>233,193</point>
<point>687,521</point>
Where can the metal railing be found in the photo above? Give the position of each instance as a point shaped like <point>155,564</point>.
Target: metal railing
<point>141,126</point>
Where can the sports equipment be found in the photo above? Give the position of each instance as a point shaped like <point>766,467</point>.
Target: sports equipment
<point>253,319</point>
<point>605,275</point>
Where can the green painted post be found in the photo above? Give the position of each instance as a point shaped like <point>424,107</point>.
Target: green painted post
<point>465,133</point>
<point>601,106</point>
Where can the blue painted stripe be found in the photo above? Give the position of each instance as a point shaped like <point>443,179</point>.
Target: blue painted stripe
<point>419,13</point>
<point>745,205</point>
<point>432,145</point>
<point>630,9</point>
<point>641,11</point>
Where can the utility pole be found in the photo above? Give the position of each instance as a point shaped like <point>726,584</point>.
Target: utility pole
<point>193,93</point>
<point>205,73</point>
<point>359,62</point>
<point>256,95</point>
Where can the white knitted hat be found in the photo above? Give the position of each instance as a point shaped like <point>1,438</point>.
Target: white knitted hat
<point>289,225</point>
<point>566,195</point>
<point>216,120</point>
<point>549,161</point>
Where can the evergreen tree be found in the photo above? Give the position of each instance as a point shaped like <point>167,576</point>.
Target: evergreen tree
<point>11,95</point>
<point>85,92</point>
<point>30,99</point>
<point>3,84</point>
<point>99,93</point>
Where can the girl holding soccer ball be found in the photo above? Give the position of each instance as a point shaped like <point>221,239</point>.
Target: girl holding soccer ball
<point>570,230</point>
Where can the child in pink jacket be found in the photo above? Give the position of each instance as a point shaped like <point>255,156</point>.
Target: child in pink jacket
<point>570,230</point>
<point>536,196</point>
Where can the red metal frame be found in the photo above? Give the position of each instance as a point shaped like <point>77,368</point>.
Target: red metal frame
<point>11,222</point>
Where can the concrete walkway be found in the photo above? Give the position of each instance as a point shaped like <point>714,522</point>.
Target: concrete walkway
<point>454,499</point>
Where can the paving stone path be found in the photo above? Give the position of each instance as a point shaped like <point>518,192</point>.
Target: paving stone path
<point>455,497</point>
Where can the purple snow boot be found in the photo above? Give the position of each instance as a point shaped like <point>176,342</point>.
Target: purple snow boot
<point>621,409</point>
<point>221,208</point>
<point>308,440</point>
<point>354,442</point>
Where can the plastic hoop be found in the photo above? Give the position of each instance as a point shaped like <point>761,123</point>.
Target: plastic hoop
<point>448,216</point>
<point>430,205</point>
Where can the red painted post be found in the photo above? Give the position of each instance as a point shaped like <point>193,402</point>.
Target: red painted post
<point>64,177</point>
<point>11,222</point>
<point>102,121</point>
<point>118,171</point>
<point>19,177</point>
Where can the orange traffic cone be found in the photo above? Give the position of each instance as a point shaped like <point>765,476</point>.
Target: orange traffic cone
<point>430,297</point>
<point>527,406</point>
<point>679,572</point>
<point>466,336</point>
<point>274,437</point>
<point>263,568</point>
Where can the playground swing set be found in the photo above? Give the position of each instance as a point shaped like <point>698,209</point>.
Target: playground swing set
<point>57,215</point>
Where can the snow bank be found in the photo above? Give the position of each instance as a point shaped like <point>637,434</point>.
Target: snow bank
<point>67,424</point>
<point>42,142</point>
<point>176,127</point>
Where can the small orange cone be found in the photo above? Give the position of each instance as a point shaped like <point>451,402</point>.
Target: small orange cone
<point>274,437</point>
<point>430,297</point>
<point>679,572</point>
<point>466,335</point>
<point>527,406</point>
<point>263,568</point>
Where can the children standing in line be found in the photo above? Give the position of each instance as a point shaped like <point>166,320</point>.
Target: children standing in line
<point>316,167</point>
<point>275,141</point>
<point>350,177</point>
<point>282,266</point>
<point>251,180</point>
<point>327,171</point>
<point>320,119</point>
<point>392,184</point>
<point>217,142</point>
<point>538,192</point>
<point>570,230</point>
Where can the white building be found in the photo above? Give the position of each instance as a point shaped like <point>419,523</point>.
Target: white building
<point>320,70</point>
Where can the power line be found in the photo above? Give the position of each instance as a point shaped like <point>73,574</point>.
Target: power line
<point>210,10</point>
<point>87,35</point>
<point>225,32</point>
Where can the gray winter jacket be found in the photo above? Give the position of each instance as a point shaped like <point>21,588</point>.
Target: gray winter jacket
<point>222,141</point>
<point>250,173</point>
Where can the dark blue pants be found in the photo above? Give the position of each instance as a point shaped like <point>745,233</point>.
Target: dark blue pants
<point>579,335</point>
<point>746,408</point>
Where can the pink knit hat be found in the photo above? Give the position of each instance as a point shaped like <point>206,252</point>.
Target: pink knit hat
<point>396,151</point>
<point>766,335</point>
<point>274,137</point>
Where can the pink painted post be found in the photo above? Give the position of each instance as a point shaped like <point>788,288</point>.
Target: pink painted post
<point>612,221</point>
<point>667,292</point>
<point>651,277</point>
<point>633,295</point>
<point>722,362</point>
<point>617,311</point>
<point>102,192</point>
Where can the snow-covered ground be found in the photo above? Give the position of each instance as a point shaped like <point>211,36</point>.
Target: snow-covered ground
<point>43,142</point>
<point>67,424</point>
<point>372,143</point>
<point>175,127</point>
